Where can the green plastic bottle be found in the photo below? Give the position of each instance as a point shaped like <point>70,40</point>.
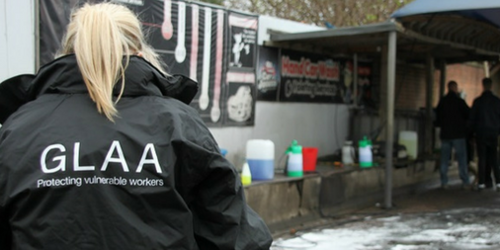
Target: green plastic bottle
<point>294,164</point>
<point>365,153</point>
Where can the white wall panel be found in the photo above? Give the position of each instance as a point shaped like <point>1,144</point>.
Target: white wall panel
<point>17,37</point>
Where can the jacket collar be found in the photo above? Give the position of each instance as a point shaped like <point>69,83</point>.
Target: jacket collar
<point>487,92</point>
<point>63,76</point>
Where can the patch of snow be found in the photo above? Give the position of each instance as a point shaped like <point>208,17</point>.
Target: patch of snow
<point>447,230</point>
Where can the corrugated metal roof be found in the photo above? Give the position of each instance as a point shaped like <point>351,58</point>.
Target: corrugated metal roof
<point>481,10</point>
<point>446,37</point>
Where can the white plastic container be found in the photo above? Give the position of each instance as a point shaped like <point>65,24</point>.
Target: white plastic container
<point>410,140</point>
<point>348,153</point>
<point>260,158</point>
<point>295,165</point>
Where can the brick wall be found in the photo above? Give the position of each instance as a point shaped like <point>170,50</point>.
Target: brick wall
<point>411,84</point>
<point>410,87</point>
<point>468,77</point>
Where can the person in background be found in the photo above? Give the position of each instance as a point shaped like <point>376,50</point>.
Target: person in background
<point>100,150</point>
<point>485,121</point>
<point>452,114</point>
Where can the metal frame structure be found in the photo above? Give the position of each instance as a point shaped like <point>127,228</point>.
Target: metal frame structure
<point>422,39</point>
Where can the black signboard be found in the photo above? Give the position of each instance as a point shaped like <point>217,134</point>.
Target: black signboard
<point>310,78</point>
<point>365,86</point>
<point>268,74</point>
<point>243,37</point>
<point>192,39</point>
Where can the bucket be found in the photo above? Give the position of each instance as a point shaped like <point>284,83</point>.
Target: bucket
<point>410,140</point>
<point>260,159</point>
<point>310,156</point>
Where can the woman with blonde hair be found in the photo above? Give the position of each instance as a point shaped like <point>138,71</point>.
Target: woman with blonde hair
<point>99,150</point>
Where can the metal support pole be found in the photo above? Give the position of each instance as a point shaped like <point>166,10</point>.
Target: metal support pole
<point>429,140</point>
<point>442,79</point>
<point>391,82</point>
<point>486,69</point>
<point>355,79</point>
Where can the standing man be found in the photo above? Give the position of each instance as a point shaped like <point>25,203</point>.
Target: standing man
<point>452,114</point>
<point>485,120</point>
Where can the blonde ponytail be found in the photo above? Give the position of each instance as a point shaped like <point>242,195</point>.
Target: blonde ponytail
<point>101,35</point>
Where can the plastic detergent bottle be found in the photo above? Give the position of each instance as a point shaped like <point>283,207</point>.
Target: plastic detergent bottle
<point>410,140</point>
<point>365,153</point>
<point>348,153</point>
<point>294,163</point>
<point>246,175</point>
<point>260,159</point>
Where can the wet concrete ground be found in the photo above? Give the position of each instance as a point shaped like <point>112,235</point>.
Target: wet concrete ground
<point>434,219</point>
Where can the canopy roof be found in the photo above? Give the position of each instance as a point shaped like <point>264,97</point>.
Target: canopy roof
<point>481,10</point>
<point>449,38</point>
<point>449,30</point>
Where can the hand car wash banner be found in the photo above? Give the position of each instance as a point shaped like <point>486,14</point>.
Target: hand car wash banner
<point>192,39</point>
<point>310,78</point>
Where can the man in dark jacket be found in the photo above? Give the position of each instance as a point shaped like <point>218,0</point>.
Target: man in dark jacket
<point>452,114</point>
<point>485,120</point>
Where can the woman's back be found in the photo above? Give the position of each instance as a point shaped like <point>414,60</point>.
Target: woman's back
<point>99,157</point>
<point>73,179</point>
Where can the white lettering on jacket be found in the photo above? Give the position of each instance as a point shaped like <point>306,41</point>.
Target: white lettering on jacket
<point>61,159</point>
<point>109,157</point>
<point>149,157</point>
<point>76,158</point>
<point>144,160</point>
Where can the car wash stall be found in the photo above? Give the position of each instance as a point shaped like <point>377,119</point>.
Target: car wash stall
<point>429,38</point>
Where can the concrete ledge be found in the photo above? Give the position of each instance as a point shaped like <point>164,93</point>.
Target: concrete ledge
<point>284,202</point>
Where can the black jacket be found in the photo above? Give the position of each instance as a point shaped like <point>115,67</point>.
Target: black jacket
<point>485,115</point>
<point>452,115</point>
<point>154,179</point>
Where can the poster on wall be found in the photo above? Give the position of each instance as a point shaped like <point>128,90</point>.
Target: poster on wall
<point>243,37</point>
<point>240,105</point>
<point>268,74</point>
<point>240,88</point>
<point>365,96</point>
<point>190,38</point>
<point>310,78</point>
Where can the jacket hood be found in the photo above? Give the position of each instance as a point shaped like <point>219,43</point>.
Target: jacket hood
<point>63,76</point>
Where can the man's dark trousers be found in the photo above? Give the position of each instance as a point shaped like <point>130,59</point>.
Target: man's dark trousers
<point>487,154</point>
